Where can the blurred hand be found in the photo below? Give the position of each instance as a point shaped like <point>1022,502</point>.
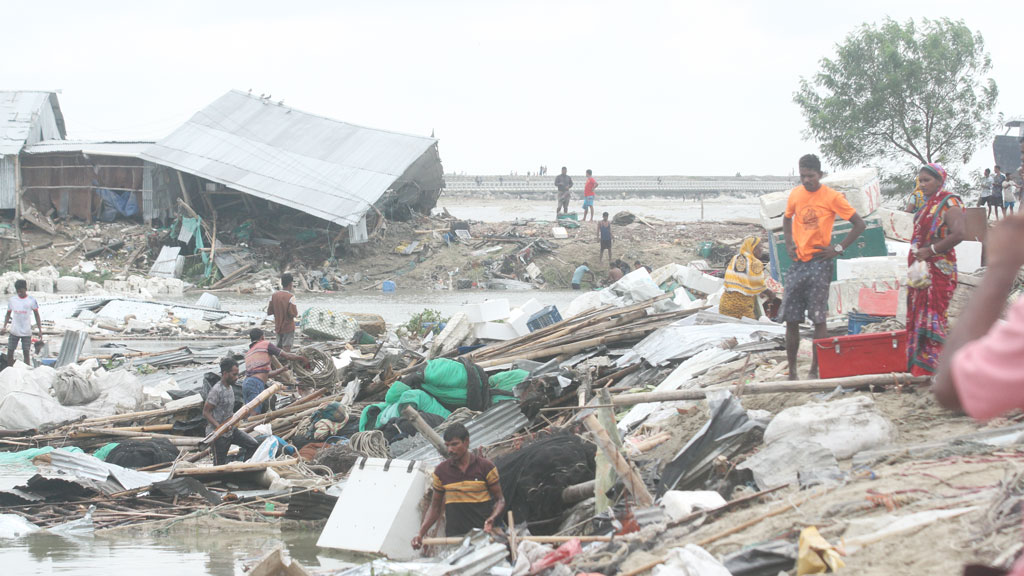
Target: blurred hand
<point>1005,243</point>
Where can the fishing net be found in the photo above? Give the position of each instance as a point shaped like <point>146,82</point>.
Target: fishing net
<point>533,478</point>
<point>142,453</point>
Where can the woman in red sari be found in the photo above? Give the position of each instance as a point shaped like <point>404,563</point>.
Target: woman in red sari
<point>938,228</point>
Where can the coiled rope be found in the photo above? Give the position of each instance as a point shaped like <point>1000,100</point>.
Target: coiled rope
<point>372,443</point>
<point>320,372</point>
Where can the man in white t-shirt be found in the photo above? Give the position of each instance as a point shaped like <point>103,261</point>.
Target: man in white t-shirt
<point>19,308</point>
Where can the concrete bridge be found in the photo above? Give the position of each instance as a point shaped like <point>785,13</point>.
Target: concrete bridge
<point>662,186</point>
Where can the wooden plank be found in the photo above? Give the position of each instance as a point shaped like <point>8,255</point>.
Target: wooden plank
<point>236,467</point>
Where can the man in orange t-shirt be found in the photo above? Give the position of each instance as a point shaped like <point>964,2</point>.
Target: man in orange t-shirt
<point>807,226</point>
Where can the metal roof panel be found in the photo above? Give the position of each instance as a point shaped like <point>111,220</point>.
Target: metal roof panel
<point>323,167</point>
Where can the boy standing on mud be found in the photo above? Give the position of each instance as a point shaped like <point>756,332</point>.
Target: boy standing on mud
<point>604,234</point>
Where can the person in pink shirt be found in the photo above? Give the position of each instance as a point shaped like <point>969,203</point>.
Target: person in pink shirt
<point>980,370</point>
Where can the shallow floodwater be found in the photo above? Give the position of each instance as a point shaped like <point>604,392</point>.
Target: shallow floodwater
<point>221,553</point>
<point>674,210</point>
<point>397,307</point>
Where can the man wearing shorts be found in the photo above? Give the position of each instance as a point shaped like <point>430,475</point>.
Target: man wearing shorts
<point>564,183</point>
<point>807,227</point>
<point>19,308</point>
<point>589,195</point>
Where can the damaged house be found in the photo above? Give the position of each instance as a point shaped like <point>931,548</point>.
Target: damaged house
<point>254,155</point>
<point>26,117</point>
<point>244,156</point>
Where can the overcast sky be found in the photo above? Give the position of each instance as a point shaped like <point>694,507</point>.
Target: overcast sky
<point>641,87</point>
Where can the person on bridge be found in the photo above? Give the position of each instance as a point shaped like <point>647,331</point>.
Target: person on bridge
<point>564,183</point>
<point>589,195</point>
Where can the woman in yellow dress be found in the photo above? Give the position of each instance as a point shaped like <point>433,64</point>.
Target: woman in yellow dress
<point>744,281</point>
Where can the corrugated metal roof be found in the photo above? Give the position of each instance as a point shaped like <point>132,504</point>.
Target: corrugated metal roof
<point>86,466</point>
<point>501,421</point>
<point>26,117</point>
<point>330,169</point>
<point>129,149</point>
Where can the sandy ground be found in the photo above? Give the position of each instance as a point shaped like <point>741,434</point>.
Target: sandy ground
<point>953,476</point>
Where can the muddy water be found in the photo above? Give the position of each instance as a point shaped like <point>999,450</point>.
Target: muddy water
<point>221,553</point>
<point>397,307</point>
<point>676,210</point>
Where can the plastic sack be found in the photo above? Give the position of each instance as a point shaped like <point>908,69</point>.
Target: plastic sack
<point>918,275</point>
<point>845,426</point>
<point>74,389</point>
<point>691,560</point>
<point>561,554</point>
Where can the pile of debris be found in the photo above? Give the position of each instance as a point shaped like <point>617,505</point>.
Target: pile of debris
<point>641,430</point>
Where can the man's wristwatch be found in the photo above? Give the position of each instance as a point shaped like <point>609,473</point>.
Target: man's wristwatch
<point>838,248</point>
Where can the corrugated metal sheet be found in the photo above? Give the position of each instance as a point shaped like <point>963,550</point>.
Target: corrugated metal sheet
<point>127,149</point>
<point>169,263</point>
<point>8,181</point>
<point>501,421</point>
<point>330,169</point>
<point>27,117</point>
<point>71,347</point>
<point>80,465</point>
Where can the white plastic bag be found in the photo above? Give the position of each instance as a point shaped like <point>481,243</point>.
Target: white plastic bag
<point>918,275</point>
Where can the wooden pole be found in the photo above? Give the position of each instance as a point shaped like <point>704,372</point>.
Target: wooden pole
<point>242,413</point>
<point>578,492</point>
<point>423,428</point>
<point>773,388</point>
<point>453,540</point>
<point>236,467</point>
<point>629,476</point>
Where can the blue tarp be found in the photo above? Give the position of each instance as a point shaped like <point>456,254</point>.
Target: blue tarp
<point>117,203</point>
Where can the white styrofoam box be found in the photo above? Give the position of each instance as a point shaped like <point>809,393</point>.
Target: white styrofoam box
<point>487,311</point>
<point>378,511</point>
<point>968,256</point>
<point>897,248</point>
<point>896,224</point>
<point>70,284</point>
<point>872,267</point>
<point>559,232</point>
<point>518,317</point>
<point>772,224</point>
<point>494,331</point>
<point>41,284</point>
<point>877,297</point>
<point>860,187</point>
<point>773,204</point>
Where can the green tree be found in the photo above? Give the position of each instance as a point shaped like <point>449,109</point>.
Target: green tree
<point>900,92</point>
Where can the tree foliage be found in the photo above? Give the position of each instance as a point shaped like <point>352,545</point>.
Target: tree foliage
<point>897,92</point>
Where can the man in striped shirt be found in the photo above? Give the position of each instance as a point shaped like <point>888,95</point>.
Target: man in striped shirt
<point>467,485</point>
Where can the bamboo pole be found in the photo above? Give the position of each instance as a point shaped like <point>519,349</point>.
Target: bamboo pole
<point>235,467</point>
<point>629,476</point>
<point>423,428</point>
<point>568,348</point>
<point>453,540</point>
<point>773,388</point>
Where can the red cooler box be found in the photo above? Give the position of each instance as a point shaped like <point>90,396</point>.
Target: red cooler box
<point>858,354</point>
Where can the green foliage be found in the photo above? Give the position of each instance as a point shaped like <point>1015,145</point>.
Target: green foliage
<point>422,323</point>
<point>902,92</point>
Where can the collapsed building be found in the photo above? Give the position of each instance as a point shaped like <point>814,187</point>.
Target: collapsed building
<point>241,154</point>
